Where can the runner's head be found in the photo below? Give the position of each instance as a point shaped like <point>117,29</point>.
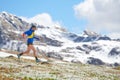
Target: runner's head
<point>33,27</point>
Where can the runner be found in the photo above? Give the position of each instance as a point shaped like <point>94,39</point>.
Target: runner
<point>30,35</point>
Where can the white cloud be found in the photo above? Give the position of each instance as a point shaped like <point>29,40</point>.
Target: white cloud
<point>114,35</point>
<point>42,19</point>
<point>102,15</point>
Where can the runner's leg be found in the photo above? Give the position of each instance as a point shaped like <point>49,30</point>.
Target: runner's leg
<point>34,52</point>
<point>26,52</point>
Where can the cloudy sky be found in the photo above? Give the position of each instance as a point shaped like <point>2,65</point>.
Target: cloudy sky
<point>102,16</point>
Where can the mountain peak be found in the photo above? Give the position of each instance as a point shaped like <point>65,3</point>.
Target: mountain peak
<point>6,14</point>
<point>90,33</point>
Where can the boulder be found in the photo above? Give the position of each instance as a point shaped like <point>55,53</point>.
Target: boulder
<point>114,52</point>
<point>95,61</point>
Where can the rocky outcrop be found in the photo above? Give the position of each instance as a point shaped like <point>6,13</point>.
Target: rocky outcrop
<point>54,55</point>
<point>51,42</point>
<point>115,51</point>
<point>95,61</point>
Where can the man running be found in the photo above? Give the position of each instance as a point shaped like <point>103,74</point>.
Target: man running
<point>31,37</point>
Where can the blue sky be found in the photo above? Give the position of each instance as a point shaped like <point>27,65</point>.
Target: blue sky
<point>101,16</point>
<point>60,10</point>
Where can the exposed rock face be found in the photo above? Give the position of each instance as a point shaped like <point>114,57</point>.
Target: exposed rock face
<point>104,38</point>
<point>89,36</point>
<point>54,55</point>
<point>51,41</point>
<point>11,22</point>
<point>115,51</point>
<point>79,39</point>
<point>95,61</point>
<point>90,33</point>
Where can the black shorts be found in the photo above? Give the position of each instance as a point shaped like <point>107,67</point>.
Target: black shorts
<point>29,44</point>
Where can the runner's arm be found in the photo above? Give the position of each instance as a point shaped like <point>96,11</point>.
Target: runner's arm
<point>25,34</point>
<point>36,38</point>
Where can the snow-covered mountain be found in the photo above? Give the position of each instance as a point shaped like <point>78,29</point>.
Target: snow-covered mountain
<point>89,47</point>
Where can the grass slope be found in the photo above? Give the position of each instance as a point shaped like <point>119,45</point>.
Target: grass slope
<point>12,69</point>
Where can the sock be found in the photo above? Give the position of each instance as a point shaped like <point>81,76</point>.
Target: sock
<point>36,58</point>
<point>21,54</point>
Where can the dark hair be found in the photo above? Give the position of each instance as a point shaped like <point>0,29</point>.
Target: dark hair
<point>33,26</point>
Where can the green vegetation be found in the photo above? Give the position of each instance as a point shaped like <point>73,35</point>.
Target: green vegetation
<point>29,78</point>
<point>11,69</point>
<point>117,68</point>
